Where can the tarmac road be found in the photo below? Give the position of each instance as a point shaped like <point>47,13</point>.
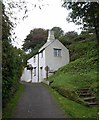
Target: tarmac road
<point>37,102</point>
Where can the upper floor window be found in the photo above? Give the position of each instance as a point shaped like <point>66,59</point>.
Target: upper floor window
<point>57,52</point>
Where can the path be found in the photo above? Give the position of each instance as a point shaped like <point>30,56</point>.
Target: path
<point>37,102</point>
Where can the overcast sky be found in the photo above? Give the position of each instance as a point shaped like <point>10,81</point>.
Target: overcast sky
<point>51,15</point>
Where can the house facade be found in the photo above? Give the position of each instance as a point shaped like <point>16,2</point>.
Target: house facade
<point>51,56</point>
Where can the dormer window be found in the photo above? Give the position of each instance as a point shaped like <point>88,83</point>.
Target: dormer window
<point>57,52</point>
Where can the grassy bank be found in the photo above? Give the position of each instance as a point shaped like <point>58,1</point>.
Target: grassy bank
<point>7,111</point>
<point>71,108</point>
<point>81,72</point>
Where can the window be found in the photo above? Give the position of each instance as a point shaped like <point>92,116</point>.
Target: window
<point>34,59</point>
<point>34,71</point>
<point>57,52</point>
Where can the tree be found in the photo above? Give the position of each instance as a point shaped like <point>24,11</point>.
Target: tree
<point>71,35</point>
<point>36,36</point>
<point>58,32</point>
<point>85,13</point>
<point>13,60</point>
<point>68,38</point>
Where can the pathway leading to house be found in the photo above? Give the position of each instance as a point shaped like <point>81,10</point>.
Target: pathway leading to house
<point>37,102</point>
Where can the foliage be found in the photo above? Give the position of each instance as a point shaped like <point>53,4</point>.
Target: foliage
<point>68,38</point>
<point>58,32</point>
<point>10,106</point>
<point>85,13</point>
<point>13,61</point>
<point>12,67</point>
<point>83,43</point>
<point>36,36</point>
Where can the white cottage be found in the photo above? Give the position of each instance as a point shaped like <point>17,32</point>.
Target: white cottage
<point>52,54</point>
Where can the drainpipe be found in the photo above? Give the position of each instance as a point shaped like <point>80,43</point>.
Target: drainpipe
<point>38,67</point>
<point>31,74</point>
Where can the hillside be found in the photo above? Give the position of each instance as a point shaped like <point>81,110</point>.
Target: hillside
<point>81,72</point>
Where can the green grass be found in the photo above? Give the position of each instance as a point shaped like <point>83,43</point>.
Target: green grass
<point>79,49</point>
<point>81,72</point>
<point>72,108</point>
<point>74,80</point>
<point>7,111</point>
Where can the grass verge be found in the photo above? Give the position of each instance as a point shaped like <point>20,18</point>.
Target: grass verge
<point>7,111</point>
<point>71,108</point>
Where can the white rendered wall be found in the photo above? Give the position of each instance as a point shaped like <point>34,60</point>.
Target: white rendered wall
<point>26,75</point>
<point>35,65</point>
<point>42,72</point>
<point>30,61</point>
<point>55,62</point>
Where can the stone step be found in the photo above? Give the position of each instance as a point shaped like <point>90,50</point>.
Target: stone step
<point>84,89</point>
<point>89,98</point>
<point>85,94</point>
<point>92,103</point>
<point>81,92</point>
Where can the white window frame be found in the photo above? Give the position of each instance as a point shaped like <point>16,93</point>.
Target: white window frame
<point>57,52</point>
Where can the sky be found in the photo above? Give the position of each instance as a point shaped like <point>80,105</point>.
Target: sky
<point>51,15</point>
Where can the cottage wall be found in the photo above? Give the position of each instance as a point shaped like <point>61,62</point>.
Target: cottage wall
<point>35,68</point>
<point>42,65</point>
<point>55,62</point>
<point>26,75</point>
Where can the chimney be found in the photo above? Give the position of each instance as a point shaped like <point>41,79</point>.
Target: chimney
<point>50,36</point>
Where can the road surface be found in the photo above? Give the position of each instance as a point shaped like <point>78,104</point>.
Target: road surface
<point>37,102</point>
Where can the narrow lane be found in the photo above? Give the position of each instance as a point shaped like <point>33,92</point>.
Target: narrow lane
<point>37,102</point>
